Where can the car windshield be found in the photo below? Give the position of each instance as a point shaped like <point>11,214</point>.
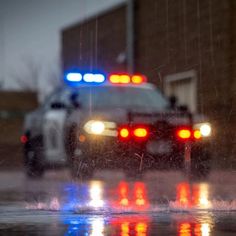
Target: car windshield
<point>121,97</point>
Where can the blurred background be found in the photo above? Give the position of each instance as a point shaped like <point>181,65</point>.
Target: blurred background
<point>187,48</point>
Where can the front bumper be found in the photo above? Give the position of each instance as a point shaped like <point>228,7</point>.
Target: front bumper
<point>109,152</point>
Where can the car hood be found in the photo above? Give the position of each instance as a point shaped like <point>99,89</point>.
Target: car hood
<point>123,116</point>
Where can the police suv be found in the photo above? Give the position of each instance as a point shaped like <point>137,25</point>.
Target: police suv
<point>98,121</point>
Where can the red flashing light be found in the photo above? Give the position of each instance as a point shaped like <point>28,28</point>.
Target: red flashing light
<point>126,79</point>
<point>124,133</point>
<point>24,139</point>
<point>140,132</point>
<point>184,133</point>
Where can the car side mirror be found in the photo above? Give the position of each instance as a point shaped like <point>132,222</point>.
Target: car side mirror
<point>57,105</point>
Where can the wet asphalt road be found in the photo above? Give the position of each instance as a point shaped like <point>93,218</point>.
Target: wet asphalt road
<point>162,203</point>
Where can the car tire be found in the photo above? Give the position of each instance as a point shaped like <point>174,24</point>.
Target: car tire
<point>34,159</point>
<point>80,167</point>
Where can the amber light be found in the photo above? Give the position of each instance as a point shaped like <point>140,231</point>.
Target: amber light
<point>124,79</point>
<point>119,79</point>
<point>140,132</point>
<point>138,79</point>
<point>124,133</point>
<point>127,79</point>
<point>184,134</point>
<point>114,79</point>
<point>197,134</point>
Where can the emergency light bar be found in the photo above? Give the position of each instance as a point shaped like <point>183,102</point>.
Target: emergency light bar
<point>77,78</point>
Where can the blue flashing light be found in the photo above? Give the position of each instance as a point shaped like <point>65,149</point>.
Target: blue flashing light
<point>76,78</point>
<point>96,78</point>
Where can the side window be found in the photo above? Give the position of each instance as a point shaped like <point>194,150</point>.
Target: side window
<point>54,97</point>
<point>65,97</point>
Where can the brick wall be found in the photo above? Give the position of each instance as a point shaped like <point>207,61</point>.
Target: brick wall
<point>96,43</point>
<point>193,34</point>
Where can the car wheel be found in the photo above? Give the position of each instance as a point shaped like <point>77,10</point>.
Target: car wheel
<point>79,165</point>
<point>33,159</point>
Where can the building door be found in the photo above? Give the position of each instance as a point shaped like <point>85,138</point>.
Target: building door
<point>183,86</point>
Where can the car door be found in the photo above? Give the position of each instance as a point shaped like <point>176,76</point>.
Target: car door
<point>53,129</point>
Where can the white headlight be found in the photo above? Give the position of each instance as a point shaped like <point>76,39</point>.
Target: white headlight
<point>101,128</point>
<point>97,127</point>
<point>205,130</point>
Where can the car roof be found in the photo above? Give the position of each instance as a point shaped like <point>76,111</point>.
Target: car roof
<point>143,86</point>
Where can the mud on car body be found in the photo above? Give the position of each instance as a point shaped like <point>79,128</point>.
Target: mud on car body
<point>118,121</point>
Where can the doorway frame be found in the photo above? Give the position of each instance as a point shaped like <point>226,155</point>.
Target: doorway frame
<point>192,75</point>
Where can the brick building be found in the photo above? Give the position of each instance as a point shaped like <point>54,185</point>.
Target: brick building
<point>181,45</point>
<point>13,106</point>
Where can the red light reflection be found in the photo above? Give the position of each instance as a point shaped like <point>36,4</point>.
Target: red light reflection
<point>196,195</point>
<point>194,229</point>
<point>131,225</point>
<point>185,229</point>
<point>135,197</point>
<point>183,194</point>
<point>140,195</point>
<point>123,192</point>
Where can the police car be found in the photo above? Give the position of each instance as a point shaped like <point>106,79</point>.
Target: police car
<point>98,121</point>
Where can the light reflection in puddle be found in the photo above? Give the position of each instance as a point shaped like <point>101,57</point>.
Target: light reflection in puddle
<point>97,227</point>
<point>194,196</point>
<point>132,196</point>
<point>187,229</point>
<point>129,196</point>
<point>136,225</point>
<point>201,196</point>
<point>130,225</point>
<point>96,194</point>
